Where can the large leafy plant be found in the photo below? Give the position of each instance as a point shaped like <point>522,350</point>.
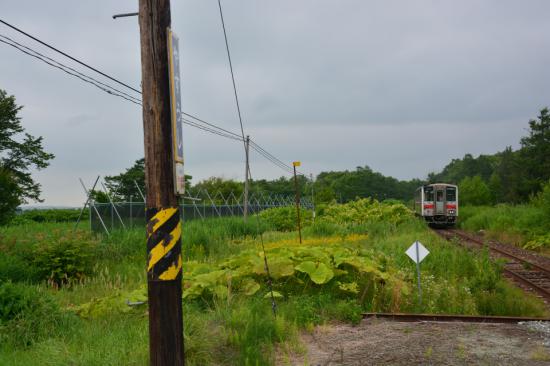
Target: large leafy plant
<point>365,210</point>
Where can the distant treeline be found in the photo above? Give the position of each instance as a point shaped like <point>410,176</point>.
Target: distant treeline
<point>50,215</point>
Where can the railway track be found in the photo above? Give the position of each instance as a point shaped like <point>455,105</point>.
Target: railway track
<point>451,318</point>
<point>530,271</point>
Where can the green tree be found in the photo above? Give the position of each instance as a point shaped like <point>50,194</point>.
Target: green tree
<point>9,197</point>
<point>468,166</point>
<point>324,195</point>
<point>19,153</point>
<point>509,172</point>
<point>123,185</point>
<point>535,153</point>
<point>215,185</point>
<point>495,187</point>
<point>474,191</point>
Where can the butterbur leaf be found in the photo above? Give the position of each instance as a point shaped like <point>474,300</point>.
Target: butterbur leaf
<point>319,273</point>
<point>306,267</point>
<point>208,280</point>
<point>322,275</point>
<point>281,267</point>
<point>276,294</point>
<point>249,287</point>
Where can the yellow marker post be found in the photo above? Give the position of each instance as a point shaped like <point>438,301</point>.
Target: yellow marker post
<point>295,164</point>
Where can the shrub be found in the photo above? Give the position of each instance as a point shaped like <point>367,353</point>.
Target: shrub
<point>27,314</point>
<point>63,259</point>
<point>16,269</point>
<point>543,199</point>
<point>474,191</point>
<point>284,218</point>
<point>365,210</point>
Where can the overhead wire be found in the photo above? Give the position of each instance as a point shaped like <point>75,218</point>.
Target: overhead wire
<point>69,56</point>
<point>211,124</point>
<point>275,162</point>
<point>66,70</point>
<point>248,172</point>
<point>280,162</point>
<point>211,130</point>
<point>232,74</point>
<point>194,121</point>
<point>43,58</point>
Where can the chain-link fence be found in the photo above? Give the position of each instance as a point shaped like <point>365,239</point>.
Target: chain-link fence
<point>106,217</point>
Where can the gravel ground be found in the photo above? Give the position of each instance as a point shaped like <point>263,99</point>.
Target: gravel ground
<point>384,342</point>
<point>542,328</point>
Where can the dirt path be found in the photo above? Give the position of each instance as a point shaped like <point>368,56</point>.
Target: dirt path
<point>381,342</point>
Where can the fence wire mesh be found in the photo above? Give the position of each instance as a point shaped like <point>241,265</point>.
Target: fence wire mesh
<point>106,217</point>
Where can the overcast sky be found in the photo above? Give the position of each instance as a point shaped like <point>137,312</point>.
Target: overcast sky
<point>400,86</point>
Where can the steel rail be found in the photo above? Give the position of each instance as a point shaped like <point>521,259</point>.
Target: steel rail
<point>450,318</point>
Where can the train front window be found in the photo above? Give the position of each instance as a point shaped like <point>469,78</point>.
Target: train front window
<point>451,194</point>
<point>439,196</point>
<point>428,194</point>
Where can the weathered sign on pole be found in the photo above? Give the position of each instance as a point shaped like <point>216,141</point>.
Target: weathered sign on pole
<point>417,252</point>
<point>176,111</point>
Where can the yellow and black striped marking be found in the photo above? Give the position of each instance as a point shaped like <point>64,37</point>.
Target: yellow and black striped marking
<point>163,244</point>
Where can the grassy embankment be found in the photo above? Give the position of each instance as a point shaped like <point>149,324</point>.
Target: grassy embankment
<point>526,225</point>
<point>63,296</point>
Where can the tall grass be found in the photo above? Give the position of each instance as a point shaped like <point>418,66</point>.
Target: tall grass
<point>218,237</point>
<point>454,280</point>
<point>240,330</point>
<point>516,224</point>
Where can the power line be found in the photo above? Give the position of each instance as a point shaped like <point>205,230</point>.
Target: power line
<point>211,130</point>
<point>206,126</point>
<point>271,156</point>
<point>212,125</point>
<point>249,174</point>
<point>69,56</point>
<point>232,74</point>
<point>109,91</point>
<point>107,88</point>
<point>43,57</point>
<point>272,160</point>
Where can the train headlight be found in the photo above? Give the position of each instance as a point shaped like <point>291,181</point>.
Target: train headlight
<point>452,212</point>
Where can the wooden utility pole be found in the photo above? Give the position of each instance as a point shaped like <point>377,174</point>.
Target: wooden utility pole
<point>297,195</point>
<point>246,177</point>
<point>163,217</point>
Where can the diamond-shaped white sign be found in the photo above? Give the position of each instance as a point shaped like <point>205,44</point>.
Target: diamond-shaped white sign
<point>422,252</point>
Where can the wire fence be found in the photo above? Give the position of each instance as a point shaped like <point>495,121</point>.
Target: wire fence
<point>106,217</point>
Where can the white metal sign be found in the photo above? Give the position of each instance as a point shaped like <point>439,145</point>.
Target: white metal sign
<point>417,252</point>
<point>175,106</point>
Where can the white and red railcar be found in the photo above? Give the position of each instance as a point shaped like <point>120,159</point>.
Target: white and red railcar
<point>437,203</point>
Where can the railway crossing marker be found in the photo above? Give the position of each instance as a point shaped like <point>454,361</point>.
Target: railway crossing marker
<point>417,252</point>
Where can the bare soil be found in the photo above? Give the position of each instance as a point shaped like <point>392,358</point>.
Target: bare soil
<point>384,342</point>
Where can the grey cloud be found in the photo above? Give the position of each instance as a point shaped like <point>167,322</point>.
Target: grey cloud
<point>334,84</point>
